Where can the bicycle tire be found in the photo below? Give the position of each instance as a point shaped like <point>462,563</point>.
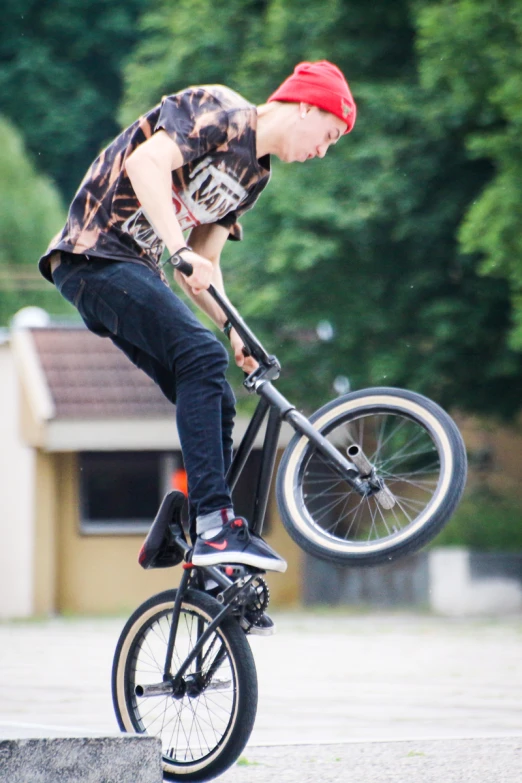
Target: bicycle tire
<point>193,748</point>
<point>310,493</point>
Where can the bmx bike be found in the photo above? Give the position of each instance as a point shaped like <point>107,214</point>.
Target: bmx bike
<point>371,476</point>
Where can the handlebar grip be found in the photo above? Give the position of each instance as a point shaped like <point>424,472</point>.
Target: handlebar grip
<point>185,267</point>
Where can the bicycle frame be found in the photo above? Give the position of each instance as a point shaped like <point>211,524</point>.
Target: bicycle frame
<point>276,408</point>
<point>280,409</point>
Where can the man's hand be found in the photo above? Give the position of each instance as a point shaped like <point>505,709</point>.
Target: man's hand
<point>247,363</point>
<point>203,271</point>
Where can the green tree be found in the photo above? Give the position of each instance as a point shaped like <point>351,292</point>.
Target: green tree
<point>30,213</point>
<point>365,239</point>
<point>60,82</point>
<point>471,61</point>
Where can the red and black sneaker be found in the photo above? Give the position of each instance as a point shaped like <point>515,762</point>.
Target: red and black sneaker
<point>236,544</point>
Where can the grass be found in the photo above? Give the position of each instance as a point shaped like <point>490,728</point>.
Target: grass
<point>244,762</point>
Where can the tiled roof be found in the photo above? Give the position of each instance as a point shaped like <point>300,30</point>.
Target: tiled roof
<point>88,377</point>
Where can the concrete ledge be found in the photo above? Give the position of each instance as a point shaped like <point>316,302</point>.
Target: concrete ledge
<point>124,759</point>
<point>475,583</point>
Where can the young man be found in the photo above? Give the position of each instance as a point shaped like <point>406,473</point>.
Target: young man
<point>196,162</point>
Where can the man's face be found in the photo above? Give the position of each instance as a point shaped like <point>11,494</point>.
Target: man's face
<point>312,134</point>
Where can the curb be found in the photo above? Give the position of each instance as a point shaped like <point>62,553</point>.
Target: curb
<point>124,759</point>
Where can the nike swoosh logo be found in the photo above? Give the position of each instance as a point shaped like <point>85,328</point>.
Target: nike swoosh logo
<point>218,546</point>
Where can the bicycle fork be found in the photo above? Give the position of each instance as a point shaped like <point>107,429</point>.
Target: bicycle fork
<point>178,685</point>
<point>358,471</point>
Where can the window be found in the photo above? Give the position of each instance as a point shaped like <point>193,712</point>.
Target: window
<point>120,491</point>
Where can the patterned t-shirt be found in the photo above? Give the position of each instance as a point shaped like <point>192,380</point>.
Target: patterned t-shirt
<point>220,179</point>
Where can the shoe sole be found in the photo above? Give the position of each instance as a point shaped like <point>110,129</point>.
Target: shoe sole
<point>253,631</point>
<point>249,560</point>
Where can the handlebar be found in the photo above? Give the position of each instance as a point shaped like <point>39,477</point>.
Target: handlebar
<point>185,267</point>
<point>269,366</point>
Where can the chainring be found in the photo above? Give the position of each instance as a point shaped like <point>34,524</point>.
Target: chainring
<point>258,599</point>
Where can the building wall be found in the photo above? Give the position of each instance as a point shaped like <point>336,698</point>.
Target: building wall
<point>285,589</point>
<point>46,485</point>
<point>16,499</point>
<point>100,573</point>
<point>97,573</point>
<point>85,574</point>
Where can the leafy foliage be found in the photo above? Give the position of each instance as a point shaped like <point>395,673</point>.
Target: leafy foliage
<point>387,239</point>
<point>30,213</point>
<point>367,238</point>
<point>472,61</point>
<point>60,78</point>
<point>486,521</point>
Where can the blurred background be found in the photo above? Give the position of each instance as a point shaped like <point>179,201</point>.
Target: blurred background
<point>395,261</point>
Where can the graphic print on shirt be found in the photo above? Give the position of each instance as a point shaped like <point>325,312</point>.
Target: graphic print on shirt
<point>142,232</point>
<point>210,194</point>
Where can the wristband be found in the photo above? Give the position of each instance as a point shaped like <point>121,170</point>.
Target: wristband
<point>175,259</point>
<point>227,328</point>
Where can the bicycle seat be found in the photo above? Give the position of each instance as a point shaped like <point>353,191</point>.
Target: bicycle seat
<point>159,550</point>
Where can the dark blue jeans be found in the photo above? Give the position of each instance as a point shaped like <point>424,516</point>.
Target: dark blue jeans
<point>129,303</point>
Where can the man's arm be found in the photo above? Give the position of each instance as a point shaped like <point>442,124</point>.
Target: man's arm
<point>149,169</point>
<point>208,241</point>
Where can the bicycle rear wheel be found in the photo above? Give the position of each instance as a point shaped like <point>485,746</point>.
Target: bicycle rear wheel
<point>415,449</point>
<point>203,731</point>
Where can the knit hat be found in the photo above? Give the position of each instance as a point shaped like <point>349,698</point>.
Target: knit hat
<point>320,84</point>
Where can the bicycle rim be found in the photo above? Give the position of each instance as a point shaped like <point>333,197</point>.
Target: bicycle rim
<point>404,454</point>
<point>192,729</point>
<point>420,455</point>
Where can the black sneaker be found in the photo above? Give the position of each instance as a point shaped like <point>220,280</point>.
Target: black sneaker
<point>236,544</point>
<point>260,625</point>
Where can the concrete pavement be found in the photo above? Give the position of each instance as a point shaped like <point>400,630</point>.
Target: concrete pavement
<point>412,761</point>
<point>396,683</point>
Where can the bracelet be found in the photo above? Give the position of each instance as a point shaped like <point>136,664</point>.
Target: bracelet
<point>175,259</point>
<point>227,328</point>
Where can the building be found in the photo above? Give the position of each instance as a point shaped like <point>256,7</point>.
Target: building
<point>89,447</point>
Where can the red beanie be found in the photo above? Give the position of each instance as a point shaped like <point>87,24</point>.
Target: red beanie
<point>321,84</point>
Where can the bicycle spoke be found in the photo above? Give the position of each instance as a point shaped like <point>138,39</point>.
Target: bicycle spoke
<point>373,526</point>
<point>426,486</point>
<point>192,725</point>
<point>393,433</point>
<point>403,454</point>
<point>413,505</point>
<point>402,457</point>
<point>357,511</point>
<point>397,455</point>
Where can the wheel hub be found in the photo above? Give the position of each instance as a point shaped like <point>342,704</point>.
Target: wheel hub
<point>194,685</point>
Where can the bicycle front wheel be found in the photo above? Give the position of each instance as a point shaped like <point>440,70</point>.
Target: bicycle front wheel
<point>204,728</point>
<point>413,446</point>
